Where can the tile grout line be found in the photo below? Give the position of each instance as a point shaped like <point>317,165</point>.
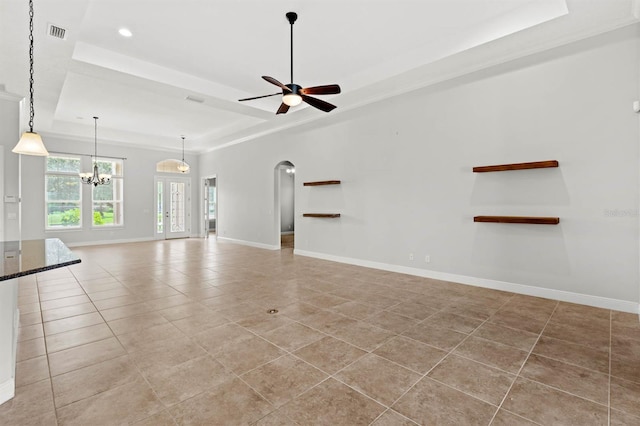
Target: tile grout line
<point>610,355</point>
<point>525,361</point>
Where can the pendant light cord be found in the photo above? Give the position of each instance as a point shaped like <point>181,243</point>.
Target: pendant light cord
<point>95,139</point>
<point>31,111</point>
<point>291,52</point>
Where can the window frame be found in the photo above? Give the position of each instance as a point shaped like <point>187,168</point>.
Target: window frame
<point>79,202</point>
<point>114,178</point>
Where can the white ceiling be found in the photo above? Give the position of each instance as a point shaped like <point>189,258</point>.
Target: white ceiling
<point>217,50</point>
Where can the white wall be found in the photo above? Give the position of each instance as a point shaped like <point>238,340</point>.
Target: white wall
<point>9,118</point>
<point>407,186</point>
<point>139,192</point>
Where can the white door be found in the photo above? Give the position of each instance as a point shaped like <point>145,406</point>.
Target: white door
<point>173,208</point>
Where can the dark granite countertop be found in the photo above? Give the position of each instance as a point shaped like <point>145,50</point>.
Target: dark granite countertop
<point>20,258</point>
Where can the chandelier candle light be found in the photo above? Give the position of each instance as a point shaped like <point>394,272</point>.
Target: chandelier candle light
<point>30,142</point>
<point>183,167</point>
<point>95,178</point>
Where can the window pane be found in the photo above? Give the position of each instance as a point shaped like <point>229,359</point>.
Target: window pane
<point>63,164</point>
<point>63,215</point>
<point>159,195</point>
<point>110,167</point>
<point>63,188</point>
<point>106,214</point>
<point>104,192</point>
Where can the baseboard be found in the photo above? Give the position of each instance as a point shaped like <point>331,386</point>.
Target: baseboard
<point>547,293</point>
<point>106,242</point>
<point>249,243</point>
<point>7,390</point>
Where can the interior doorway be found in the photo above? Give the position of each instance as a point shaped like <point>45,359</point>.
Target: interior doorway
<point>173,208</point>
<point>210,206</point>
<point>285,173</point>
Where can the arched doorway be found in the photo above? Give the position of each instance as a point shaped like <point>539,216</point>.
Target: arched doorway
<point>284,208</point>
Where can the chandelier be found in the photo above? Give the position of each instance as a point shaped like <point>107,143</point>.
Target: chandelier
<point>30,142</point>
<point>95,178</point>
<point>183,167</point>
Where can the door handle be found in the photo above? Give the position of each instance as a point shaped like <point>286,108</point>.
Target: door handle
<point>166,214</point>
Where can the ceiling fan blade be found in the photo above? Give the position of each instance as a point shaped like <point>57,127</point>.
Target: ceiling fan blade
<point>276,83</point>
<point>283,108</point>
<point>258,97</point>
<point>329,89</point>
<point>317,103</point>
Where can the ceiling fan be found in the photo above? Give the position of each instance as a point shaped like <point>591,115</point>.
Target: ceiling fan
<point>293,94</point>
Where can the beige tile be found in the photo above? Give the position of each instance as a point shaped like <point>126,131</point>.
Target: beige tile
<point>508,336</point>
<point>579,381</point>
<point>518,321</point>
<point>378,378</point>
<point>229,404</point>
<point>355,310</point>
<point>292,336</point>
<point>116,302</point>
<point>332,403</point>
<point>28,349</point>
<point>262,322</point>
<point>453,322</point>
<point>62,303</point>
<point>583,356</point>
<point>329,354</point>
<point>217,339</point>
<point>31,371</point>
<point>627,368</point>
<point>169,302</point>
<point>166,354</point>
<point>85,355</point>
<point>275,418</point>
<point>392,418</point>
<point>619,418</point>
<point>182,381</point>
<point>92,380</point>
<point>199,322</point>
<point>283,379</point>
<point>299,310</point>
<point>134,401</point>
<point>587,336</point>
<point>140,340</point>
<point>30,332</point>
<point>162,418</point>
<point>77,337</point>
<point>485,383</point>
<point>546,405</point>
<point>411,354</point>
<point>184,310</point>
<point>360,334</point>
<point>30,318</point>
<point>136,323</point>
<point>67,311</point>
<point>245,355</point>
<point>391,321</point>
<point>439,337</point>
<point>495,354</point>
<point>125,311</point>
<point>61,294</point>
<point>32,405</point>
<point>505,418</point>
<point>625,396</point>
<point>430,402</point>
<point>72,323</point>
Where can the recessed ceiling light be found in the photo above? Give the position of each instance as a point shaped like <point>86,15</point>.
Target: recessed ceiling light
<point>125,32</point>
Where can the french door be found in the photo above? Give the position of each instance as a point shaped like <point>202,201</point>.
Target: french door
<point>173,208</point>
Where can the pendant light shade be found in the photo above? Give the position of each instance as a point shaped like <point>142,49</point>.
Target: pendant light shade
<point>30,142</point>
<point>95,178</point>
<point>183,167</point>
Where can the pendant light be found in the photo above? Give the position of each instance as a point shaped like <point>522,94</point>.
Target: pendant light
<point>183,167</point>
<point>95,178</point>
<point>30,142</point>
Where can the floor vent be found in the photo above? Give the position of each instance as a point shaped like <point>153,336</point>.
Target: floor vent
<point>57,32</point>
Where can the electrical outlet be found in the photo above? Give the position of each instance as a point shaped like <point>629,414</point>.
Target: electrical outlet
<point>410,256</point>
<point>427,258</point>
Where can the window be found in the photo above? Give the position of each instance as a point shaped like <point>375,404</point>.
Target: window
<point>63,195</point>
<point>107,200</point>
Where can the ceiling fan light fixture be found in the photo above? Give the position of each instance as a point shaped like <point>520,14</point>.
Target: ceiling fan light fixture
<point>292,99</point>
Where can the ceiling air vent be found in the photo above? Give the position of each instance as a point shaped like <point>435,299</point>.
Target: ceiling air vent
<point>57,32</point>
<point>194,99</point>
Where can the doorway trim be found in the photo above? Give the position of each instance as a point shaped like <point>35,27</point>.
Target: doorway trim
<point>277,216</point>
<point>188,205</point>
<point>204,231</point>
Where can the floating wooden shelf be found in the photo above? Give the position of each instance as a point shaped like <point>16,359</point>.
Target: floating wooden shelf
<point>322,182</point>
<point>516,166</point>
<point>519,219</point>
<point>330,215</point>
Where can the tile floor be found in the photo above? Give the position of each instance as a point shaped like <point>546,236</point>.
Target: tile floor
<point>177,332</point>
